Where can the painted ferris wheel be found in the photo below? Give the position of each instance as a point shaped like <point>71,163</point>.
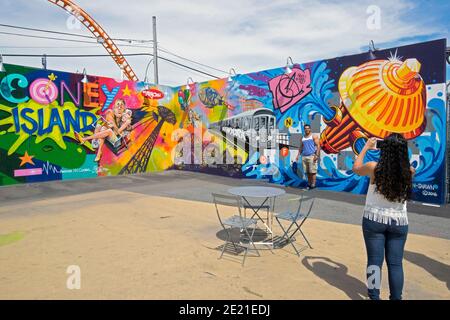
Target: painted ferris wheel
<point>99,33</point>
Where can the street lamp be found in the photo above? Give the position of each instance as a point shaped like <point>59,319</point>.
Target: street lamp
<point>146,70</point>
<point>372,49</point>
<point>231,73</point>
<point>2,67</point>
<point>188,84</point>
<point>289,66</point>
<point>85,79</point>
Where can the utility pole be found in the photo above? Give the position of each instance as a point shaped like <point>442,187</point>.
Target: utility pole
<point>44,61</point>
<point>155,51</point>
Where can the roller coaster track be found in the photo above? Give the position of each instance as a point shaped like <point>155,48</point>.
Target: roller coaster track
<point>99,33</point>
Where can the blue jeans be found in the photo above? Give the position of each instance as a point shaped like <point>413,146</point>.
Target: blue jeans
<point>384,240</point>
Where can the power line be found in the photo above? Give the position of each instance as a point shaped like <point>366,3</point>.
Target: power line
<point>185,66</point>
<point>43,37</point>
<point>162,49</point>
<point>90,42</point>
<point>74,55</point>
<point>71,34</point>
<point>61,39</point>
<point>107,55</point>
<point>178,56</point>
<point>92,37</point>
<point>50,47</point>
<point>182,68</point>
<point>82,41</point>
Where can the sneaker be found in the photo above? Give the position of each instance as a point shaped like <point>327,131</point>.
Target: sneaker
<point>313,186</point>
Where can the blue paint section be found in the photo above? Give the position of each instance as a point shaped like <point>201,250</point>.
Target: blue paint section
<point>430,179</point>
<point>110,95</point>
<point>89,169</point>
<point>50,171</point>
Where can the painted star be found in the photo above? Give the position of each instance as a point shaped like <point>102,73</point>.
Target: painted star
<point>126,91</point>
<point>26,159</point>
<point>52,77</point>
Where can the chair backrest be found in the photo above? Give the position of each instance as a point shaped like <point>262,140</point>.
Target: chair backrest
<point>226,200</point>
<point>310,209</point>
<point>301,199</point>
<point>299,205</point>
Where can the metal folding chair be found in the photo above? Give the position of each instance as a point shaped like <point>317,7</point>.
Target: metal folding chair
<point>296,220</point>
<point>240,222</point>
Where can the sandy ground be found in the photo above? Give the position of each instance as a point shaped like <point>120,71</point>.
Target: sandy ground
<point>134,246</point>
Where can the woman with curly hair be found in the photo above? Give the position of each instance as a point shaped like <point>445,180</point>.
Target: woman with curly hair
<point>385,221</point>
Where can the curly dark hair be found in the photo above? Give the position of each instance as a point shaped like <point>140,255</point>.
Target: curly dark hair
<point>393,176</point>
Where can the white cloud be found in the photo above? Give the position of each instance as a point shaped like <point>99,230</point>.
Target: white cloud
<point>248,35</point>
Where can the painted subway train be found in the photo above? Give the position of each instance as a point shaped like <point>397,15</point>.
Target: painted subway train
<point>254,127</point>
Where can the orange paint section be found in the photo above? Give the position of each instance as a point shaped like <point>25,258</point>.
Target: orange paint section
<point>378,98</point>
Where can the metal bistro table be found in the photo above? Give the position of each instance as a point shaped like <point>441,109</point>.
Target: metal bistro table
<point>265,193</point>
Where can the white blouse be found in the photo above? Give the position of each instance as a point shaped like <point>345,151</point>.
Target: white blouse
<point>380,209</point>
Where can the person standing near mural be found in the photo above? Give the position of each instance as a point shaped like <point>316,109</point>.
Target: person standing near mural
<point>310,152</point>
<point>385,221</point>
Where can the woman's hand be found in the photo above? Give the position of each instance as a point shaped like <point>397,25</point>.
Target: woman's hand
<point>371,144</point>
<point>361,168</point>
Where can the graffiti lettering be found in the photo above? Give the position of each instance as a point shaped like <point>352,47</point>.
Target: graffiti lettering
<point>43,121</point>
<point>65,88</point>
<point>153,94</point>
<point>7,90</point>
<point>110,95</point>
<point>44,91</point>
<point>91,95</point>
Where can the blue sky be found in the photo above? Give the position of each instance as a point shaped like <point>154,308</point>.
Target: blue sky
<point>247,35</point>
<point>428,13</point>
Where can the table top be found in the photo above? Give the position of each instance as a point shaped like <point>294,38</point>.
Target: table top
<point>256,191</point>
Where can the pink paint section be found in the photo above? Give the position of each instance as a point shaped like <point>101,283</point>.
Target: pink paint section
<point>132,101</point>
<point>289,89</point>
<point>27,172</point>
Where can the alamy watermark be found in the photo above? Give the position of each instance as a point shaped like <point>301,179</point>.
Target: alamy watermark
<point>373,21</point>
<point>219,145</point>
<point>373,277</point>
<point>74,279</point>
<point>73,22</point>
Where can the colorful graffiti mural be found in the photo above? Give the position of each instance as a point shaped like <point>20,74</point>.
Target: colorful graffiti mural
<point>54,125</point>
<point>345,100</point>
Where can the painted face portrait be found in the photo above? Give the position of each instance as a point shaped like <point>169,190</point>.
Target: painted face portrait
<point>119,108</point>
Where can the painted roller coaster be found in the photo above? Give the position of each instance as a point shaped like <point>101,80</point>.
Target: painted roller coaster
<point>99,33</point>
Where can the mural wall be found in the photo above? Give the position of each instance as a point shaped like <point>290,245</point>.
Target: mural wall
<point>56,125</point>
<point>345,100</point>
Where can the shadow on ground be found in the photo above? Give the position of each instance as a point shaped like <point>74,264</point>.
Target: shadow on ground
<point>336,275</point>
<point>439,270</point>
